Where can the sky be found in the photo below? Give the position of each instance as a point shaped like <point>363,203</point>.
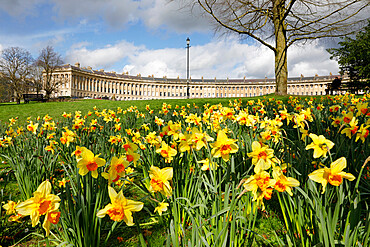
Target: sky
<point>146,37</point>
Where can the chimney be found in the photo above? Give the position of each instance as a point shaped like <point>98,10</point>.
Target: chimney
<point>101,70</point>
<point>77,65</point>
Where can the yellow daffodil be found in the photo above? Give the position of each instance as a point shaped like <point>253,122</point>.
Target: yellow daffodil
<point>223,146</point>
<point>320,145</point>
<point>78,152</point>
<point>42,203</point>
<point>160,180</point>
<point>132,157</point>
<point>262,157</point>
<point>10,207</point>
<point>120,208</point>
<point>362,133</point>
<point>129,146</point>
<point>67,137</point>
<point>173,129</point>
<point>89,162</point>
<point>116,169</point>
<point>347,117</point>
<point>261,186</point>
<point>162,207</point>
<point>50,148</point>
<point>352,129</point>
<point>62,183</point>
<point>199,139</point>
<point>32,127</point>
<point>362,108</point>
<point>336,121</point>
<point>185,142</point>
<point>117,127</point>
<point>153,139</point>
<point>167,152</point>
<point>208,165</point>
<point>193,118</point>
<point>304,133</point>
<point>283,183</point>
<point>333,175</point>
<point>334,108</point>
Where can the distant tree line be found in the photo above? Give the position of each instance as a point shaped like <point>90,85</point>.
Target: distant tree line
<point>20,73</point>
<point>353,57</point>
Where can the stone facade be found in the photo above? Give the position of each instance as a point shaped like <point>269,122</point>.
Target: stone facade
<point>86,82</point>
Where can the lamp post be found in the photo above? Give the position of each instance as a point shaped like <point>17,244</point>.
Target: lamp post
<point>187,68</point>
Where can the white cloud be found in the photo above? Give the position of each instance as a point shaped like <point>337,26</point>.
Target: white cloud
<point>310,59</point>
<point>222,59</point>
<point>174,15</point>
<point>104,57</point>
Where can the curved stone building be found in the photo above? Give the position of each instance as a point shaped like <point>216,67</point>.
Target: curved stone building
<point>90,83</point>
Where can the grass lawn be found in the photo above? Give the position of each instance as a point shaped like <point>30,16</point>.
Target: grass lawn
<point>56,109</point>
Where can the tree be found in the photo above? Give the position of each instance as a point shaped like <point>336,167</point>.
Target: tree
<point>353,57</point>
<point>50,61</point>
<point>5,90</point>
<point>15,67</point>
<point>277,24</point>
<point>37,78</point>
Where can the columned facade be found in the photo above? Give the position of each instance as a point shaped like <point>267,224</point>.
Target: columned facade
<point>86,82</point>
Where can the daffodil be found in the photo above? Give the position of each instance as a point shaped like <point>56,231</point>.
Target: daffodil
<point>116,169</point>
<point>362,133</point>
<point>129,146</point>
<point>333,175</point>
<point>162,207</point>
<point>132,157</point>
<point>336,121</point>
<point>32,127</point>
<point>173,129</point>
<point>362,108</point>
<point>223,146</point>
<point>10,207</point>
<point>62,183</point>
<point>283,183</point>
<point>262,157</point>
<point>199,139</point>
<point>166,152</point>
<point>42,203</point>
<point>160,180</point>
<point>153,139</point>
<point>120,208</point>
<point>261,186</point>
<point>304,133</point>
<point>67,137</point>
<point>320,145</point>
<point>89,162</point>
<point>347,117</point>
<point>352,129</point>
<point>208,165</point>
<point>78,152</point>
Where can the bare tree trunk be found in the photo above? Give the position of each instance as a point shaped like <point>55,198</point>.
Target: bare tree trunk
<point>281,68</point>
<point>281,64</point>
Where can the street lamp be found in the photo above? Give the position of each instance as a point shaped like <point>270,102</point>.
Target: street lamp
<point>187,68</point>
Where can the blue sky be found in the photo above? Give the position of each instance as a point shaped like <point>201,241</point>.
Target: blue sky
<point>146,37</point>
